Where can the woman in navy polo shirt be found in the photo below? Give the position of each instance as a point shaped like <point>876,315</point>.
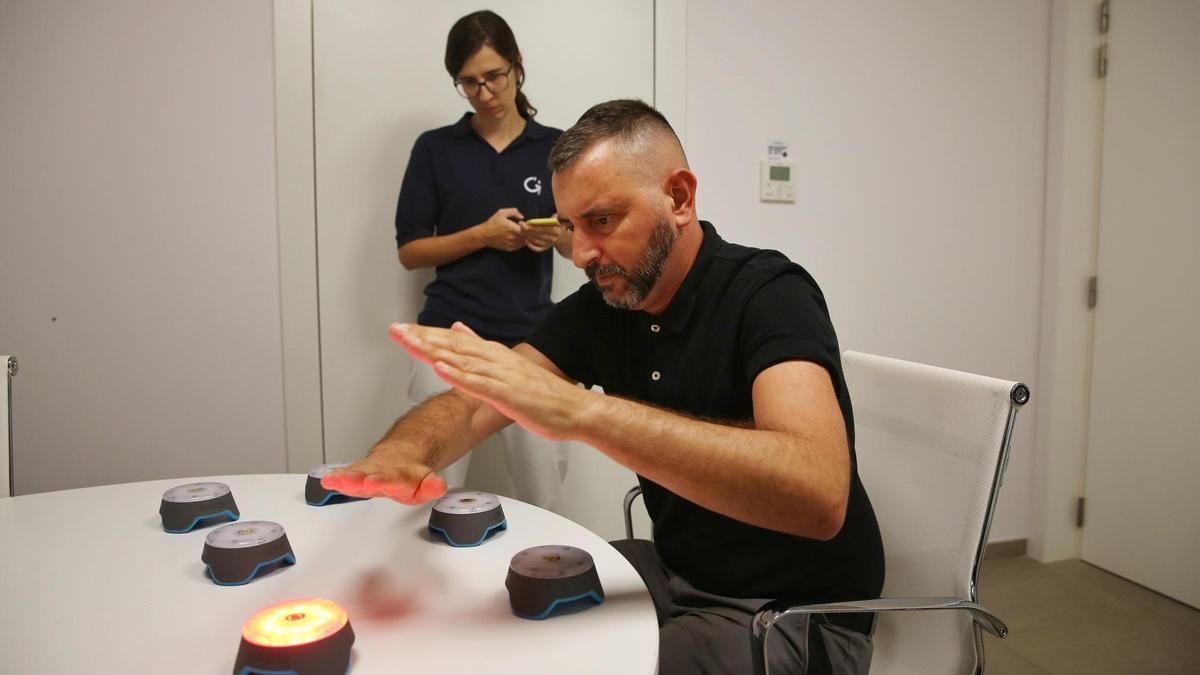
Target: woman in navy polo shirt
<point>467,192</point>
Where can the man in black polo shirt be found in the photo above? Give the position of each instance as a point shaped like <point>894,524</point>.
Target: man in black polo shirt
<point>723,391</point>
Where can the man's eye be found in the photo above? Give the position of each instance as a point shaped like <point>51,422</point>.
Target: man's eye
<point>602,220</point>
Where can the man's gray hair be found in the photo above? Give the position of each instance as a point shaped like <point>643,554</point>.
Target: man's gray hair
<point>632,120</point>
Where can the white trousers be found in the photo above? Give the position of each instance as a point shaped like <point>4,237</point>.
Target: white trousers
<point>536,465</point>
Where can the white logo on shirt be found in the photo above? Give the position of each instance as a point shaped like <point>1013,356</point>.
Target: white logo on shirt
<point>533,185</point>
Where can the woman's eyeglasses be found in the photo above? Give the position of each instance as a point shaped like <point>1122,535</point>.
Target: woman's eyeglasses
<point>495,82</point>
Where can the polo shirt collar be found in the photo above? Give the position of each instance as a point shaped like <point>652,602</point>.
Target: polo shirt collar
<point>684,302</point>
<point>533,131</point>
<point>463,126</point>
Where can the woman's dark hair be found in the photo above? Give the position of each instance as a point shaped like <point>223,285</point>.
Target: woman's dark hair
<point>477,29</point>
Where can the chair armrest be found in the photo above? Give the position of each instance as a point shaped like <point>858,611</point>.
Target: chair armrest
<point>771,612</point>
<point>629,497</point>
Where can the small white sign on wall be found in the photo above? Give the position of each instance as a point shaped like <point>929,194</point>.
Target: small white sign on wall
<point>777,151</point>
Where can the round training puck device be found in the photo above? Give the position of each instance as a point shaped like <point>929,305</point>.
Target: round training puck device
<point>236,553</point>
<point>185,506</point>
<point>467,518</point>
<point>544,578</point>
<point>311,636</point>
<point>316,495</point>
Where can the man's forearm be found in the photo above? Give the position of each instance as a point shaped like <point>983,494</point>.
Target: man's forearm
<point>779,480</point>
<point>440,430</point>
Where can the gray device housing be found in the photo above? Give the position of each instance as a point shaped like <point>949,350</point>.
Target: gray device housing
<point>534,597</point>
<point>467,529</point>
<point>180,517</point>
<point>236,566</point>
<point>328,656</point>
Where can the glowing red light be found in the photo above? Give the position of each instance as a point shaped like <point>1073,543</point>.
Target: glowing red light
<point>295,622</point>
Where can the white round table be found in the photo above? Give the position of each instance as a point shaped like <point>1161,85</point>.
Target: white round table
<point>90,583</point>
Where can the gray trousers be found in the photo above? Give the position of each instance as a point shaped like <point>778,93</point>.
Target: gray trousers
<point>704,634</point>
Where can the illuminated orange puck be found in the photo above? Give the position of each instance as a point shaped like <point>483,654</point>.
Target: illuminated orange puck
<point>295,622</point>
<point>310,636</point>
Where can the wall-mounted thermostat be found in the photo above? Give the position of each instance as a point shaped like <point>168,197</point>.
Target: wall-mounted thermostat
<point>778,183</point>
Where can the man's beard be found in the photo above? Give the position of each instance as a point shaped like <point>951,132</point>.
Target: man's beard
<point>644,275</point>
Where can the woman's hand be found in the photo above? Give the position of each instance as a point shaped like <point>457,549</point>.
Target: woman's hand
<point>541,238</point>
<point>501,232</point>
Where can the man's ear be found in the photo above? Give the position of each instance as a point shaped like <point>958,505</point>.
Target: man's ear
<point>680,187</point>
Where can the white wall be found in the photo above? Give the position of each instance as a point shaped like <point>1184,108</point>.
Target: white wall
<point>918,135</point>
<point>139,283</point>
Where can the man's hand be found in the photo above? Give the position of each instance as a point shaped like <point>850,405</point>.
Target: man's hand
<point>501,232</point>
<point>387,472</point>
<point>521,390</point>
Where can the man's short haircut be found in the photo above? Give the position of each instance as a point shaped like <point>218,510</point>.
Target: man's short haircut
<point>632,120</point>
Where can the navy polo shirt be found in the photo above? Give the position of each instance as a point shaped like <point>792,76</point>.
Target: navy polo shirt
<point>454,181</point>
<point>738,311</point>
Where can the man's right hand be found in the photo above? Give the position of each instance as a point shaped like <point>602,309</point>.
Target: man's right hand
<point>387,473</point>
<point>500,231</point>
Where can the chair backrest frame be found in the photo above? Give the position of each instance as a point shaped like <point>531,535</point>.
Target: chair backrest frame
<point>7,485</point>
<point>894,374</point>
<point>1018,396</point>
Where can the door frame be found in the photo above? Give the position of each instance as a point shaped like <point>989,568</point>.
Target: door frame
<point>1073,153</point>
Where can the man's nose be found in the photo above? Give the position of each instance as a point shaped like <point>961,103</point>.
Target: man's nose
<point>583,249</point>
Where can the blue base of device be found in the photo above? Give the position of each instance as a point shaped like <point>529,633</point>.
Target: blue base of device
<point>286,558</point>
<point>590,595</point>
<point>336,498</point>
<point>502,525</point>
<point>226,513</point>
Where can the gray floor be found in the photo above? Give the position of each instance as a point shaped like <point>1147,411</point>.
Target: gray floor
<point>1070,617</point>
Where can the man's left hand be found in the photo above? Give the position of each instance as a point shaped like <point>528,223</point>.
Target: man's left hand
<point>526,393</point>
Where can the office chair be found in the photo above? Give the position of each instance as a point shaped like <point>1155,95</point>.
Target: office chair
<point>932,445</point>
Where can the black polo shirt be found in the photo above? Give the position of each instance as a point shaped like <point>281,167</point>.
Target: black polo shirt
<point>738,312</point>
<point>454,181</point>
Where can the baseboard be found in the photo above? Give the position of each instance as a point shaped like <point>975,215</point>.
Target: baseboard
<point>1013,548</point>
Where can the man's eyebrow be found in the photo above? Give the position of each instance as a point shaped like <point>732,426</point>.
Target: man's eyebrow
<point>599,210</point>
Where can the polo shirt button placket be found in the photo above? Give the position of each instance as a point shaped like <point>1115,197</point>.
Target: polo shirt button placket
<point>656,376</point>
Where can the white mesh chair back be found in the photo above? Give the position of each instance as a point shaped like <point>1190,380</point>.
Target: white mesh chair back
<point>931,444</point>
<point>8,368</point>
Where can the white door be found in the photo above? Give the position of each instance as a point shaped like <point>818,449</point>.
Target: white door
<point>1143,466</point>
<point>378,83</point>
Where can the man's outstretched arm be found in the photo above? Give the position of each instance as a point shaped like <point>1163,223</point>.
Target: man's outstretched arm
<point>430,437</point>
<point>791,472</point>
